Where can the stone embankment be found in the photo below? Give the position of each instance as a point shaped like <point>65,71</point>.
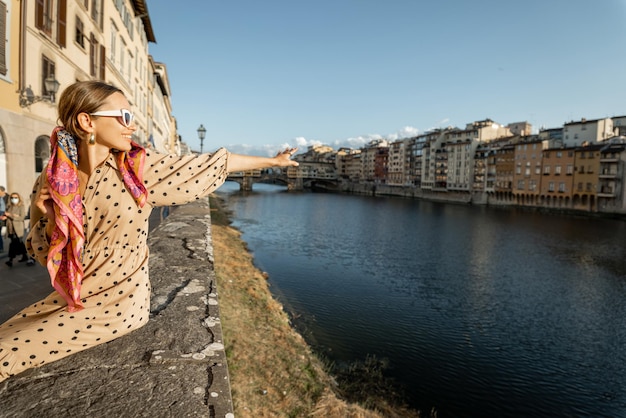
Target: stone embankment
<point>175,366</point>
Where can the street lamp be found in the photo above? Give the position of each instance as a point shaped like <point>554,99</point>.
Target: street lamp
<point>201,135</point>
<point>27,97</point>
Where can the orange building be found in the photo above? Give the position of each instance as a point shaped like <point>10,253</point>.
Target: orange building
<point>557,179</point>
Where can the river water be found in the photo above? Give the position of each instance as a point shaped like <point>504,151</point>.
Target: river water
<point>480,312</point>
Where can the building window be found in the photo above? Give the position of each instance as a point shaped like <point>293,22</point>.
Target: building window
<point>561,187</point>
<point>96,12</point>
<point>551,186</point>
<point>80,33</point>
<point>557,170</point>
<point>122,55</point>
<point>43,16</point>
<point>44,13</point>
<point>96,58</point>
<point>42,153</point>
<point>2,144</point>
<point>47,70</point>
<point>113,43</point>
<point>546,169</point>
<point>130,65</point>
<point>570,169</point>
<point>520,185</point>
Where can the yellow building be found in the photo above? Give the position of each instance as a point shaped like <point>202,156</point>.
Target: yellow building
<point>9,98</point>
<point>56,43</point>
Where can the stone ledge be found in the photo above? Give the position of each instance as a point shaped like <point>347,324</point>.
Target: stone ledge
<point>174,366</point>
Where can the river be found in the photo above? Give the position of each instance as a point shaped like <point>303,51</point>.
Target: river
<point>479,312</point>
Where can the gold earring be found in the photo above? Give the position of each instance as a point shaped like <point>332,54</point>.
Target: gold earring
<point>92,139</point>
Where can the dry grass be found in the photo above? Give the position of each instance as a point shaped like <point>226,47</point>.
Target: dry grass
<point>272,369</point>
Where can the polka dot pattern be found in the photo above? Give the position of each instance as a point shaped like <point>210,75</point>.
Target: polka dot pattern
<point>116,287</point>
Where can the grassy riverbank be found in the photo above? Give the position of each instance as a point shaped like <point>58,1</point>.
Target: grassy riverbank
<point>272,369</point>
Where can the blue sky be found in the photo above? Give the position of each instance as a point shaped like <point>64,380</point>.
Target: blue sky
<point>260,75</point>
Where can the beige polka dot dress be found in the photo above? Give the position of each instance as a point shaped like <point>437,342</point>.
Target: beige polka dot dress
<point>115,289</point>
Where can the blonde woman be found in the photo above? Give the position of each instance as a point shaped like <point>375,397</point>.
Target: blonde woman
<point>14,217</point>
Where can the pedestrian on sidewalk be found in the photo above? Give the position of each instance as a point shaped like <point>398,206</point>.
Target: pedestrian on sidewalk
<point>89,225</point>
<point>14,218</point>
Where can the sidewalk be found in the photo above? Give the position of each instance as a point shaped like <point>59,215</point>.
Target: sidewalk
<point>20,286</point>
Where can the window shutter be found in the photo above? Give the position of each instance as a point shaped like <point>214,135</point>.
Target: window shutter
<point>102,61</point>
<point>101,5</point>
<point>3,38</point>
<point>39,7</point>
<point>92,56</point>
<point>62,23</point>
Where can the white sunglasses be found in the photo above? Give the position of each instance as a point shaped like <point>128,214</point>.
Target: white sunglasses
<point>125,115</point>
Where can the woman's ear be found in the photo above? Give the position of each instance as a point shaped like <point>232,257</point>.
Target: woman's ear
<point>85,122</point>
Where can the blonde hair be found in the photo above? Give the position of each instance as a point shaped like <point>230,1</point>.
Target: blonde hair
<point>82,96</point>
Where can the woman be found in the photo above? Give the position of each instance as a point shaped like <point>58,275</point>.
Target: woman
<point>89,223</point>
<point>14,217</point>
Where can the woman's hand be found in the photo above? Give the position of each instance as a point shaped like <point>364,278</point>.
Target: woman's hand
<point>283,158</point>
<point>44,202</point>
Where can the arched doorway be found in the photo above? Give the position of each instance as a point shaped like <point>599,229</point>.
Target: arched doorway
<point>42,153</point>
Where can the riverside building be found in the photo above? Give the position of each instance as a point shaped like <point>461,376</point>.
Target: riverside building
<point>578,167</point>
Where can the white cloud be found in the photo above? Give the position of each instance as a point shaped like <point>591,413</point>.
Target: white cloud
<point>406,132</point>
<point>303,143</point>
<point>363,140</point>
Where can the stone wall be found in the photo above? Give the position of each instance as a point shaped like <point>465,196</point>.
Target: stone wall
<point>175,366</point>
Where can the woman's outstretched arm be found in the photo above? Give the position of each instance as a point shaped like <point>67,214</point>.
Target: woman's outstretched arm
<point>239,162</point>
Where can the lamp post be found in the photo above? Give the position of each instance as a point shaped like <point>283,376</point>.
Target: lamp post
<point>201,135</point>
<point>51,85</point>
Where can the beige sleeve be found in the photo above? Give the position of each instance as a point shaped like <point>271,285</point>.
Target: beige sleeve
<point>174,180</point>
<point>37,243</point>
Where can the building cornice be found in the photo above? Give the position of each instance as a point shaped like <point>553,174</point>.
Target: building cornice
<point>141,11</point>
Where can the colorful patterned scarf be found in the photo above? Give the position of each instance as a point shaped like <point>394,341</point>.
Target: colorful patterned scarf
<point>68,238</point>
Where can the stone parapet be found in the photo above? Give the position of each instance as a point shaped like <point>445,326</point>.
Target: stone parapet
<point>174,366</point>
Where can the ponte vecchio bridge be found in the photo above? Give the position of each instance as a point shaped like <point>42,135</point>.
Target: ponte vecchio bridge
<point>306,175</point>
